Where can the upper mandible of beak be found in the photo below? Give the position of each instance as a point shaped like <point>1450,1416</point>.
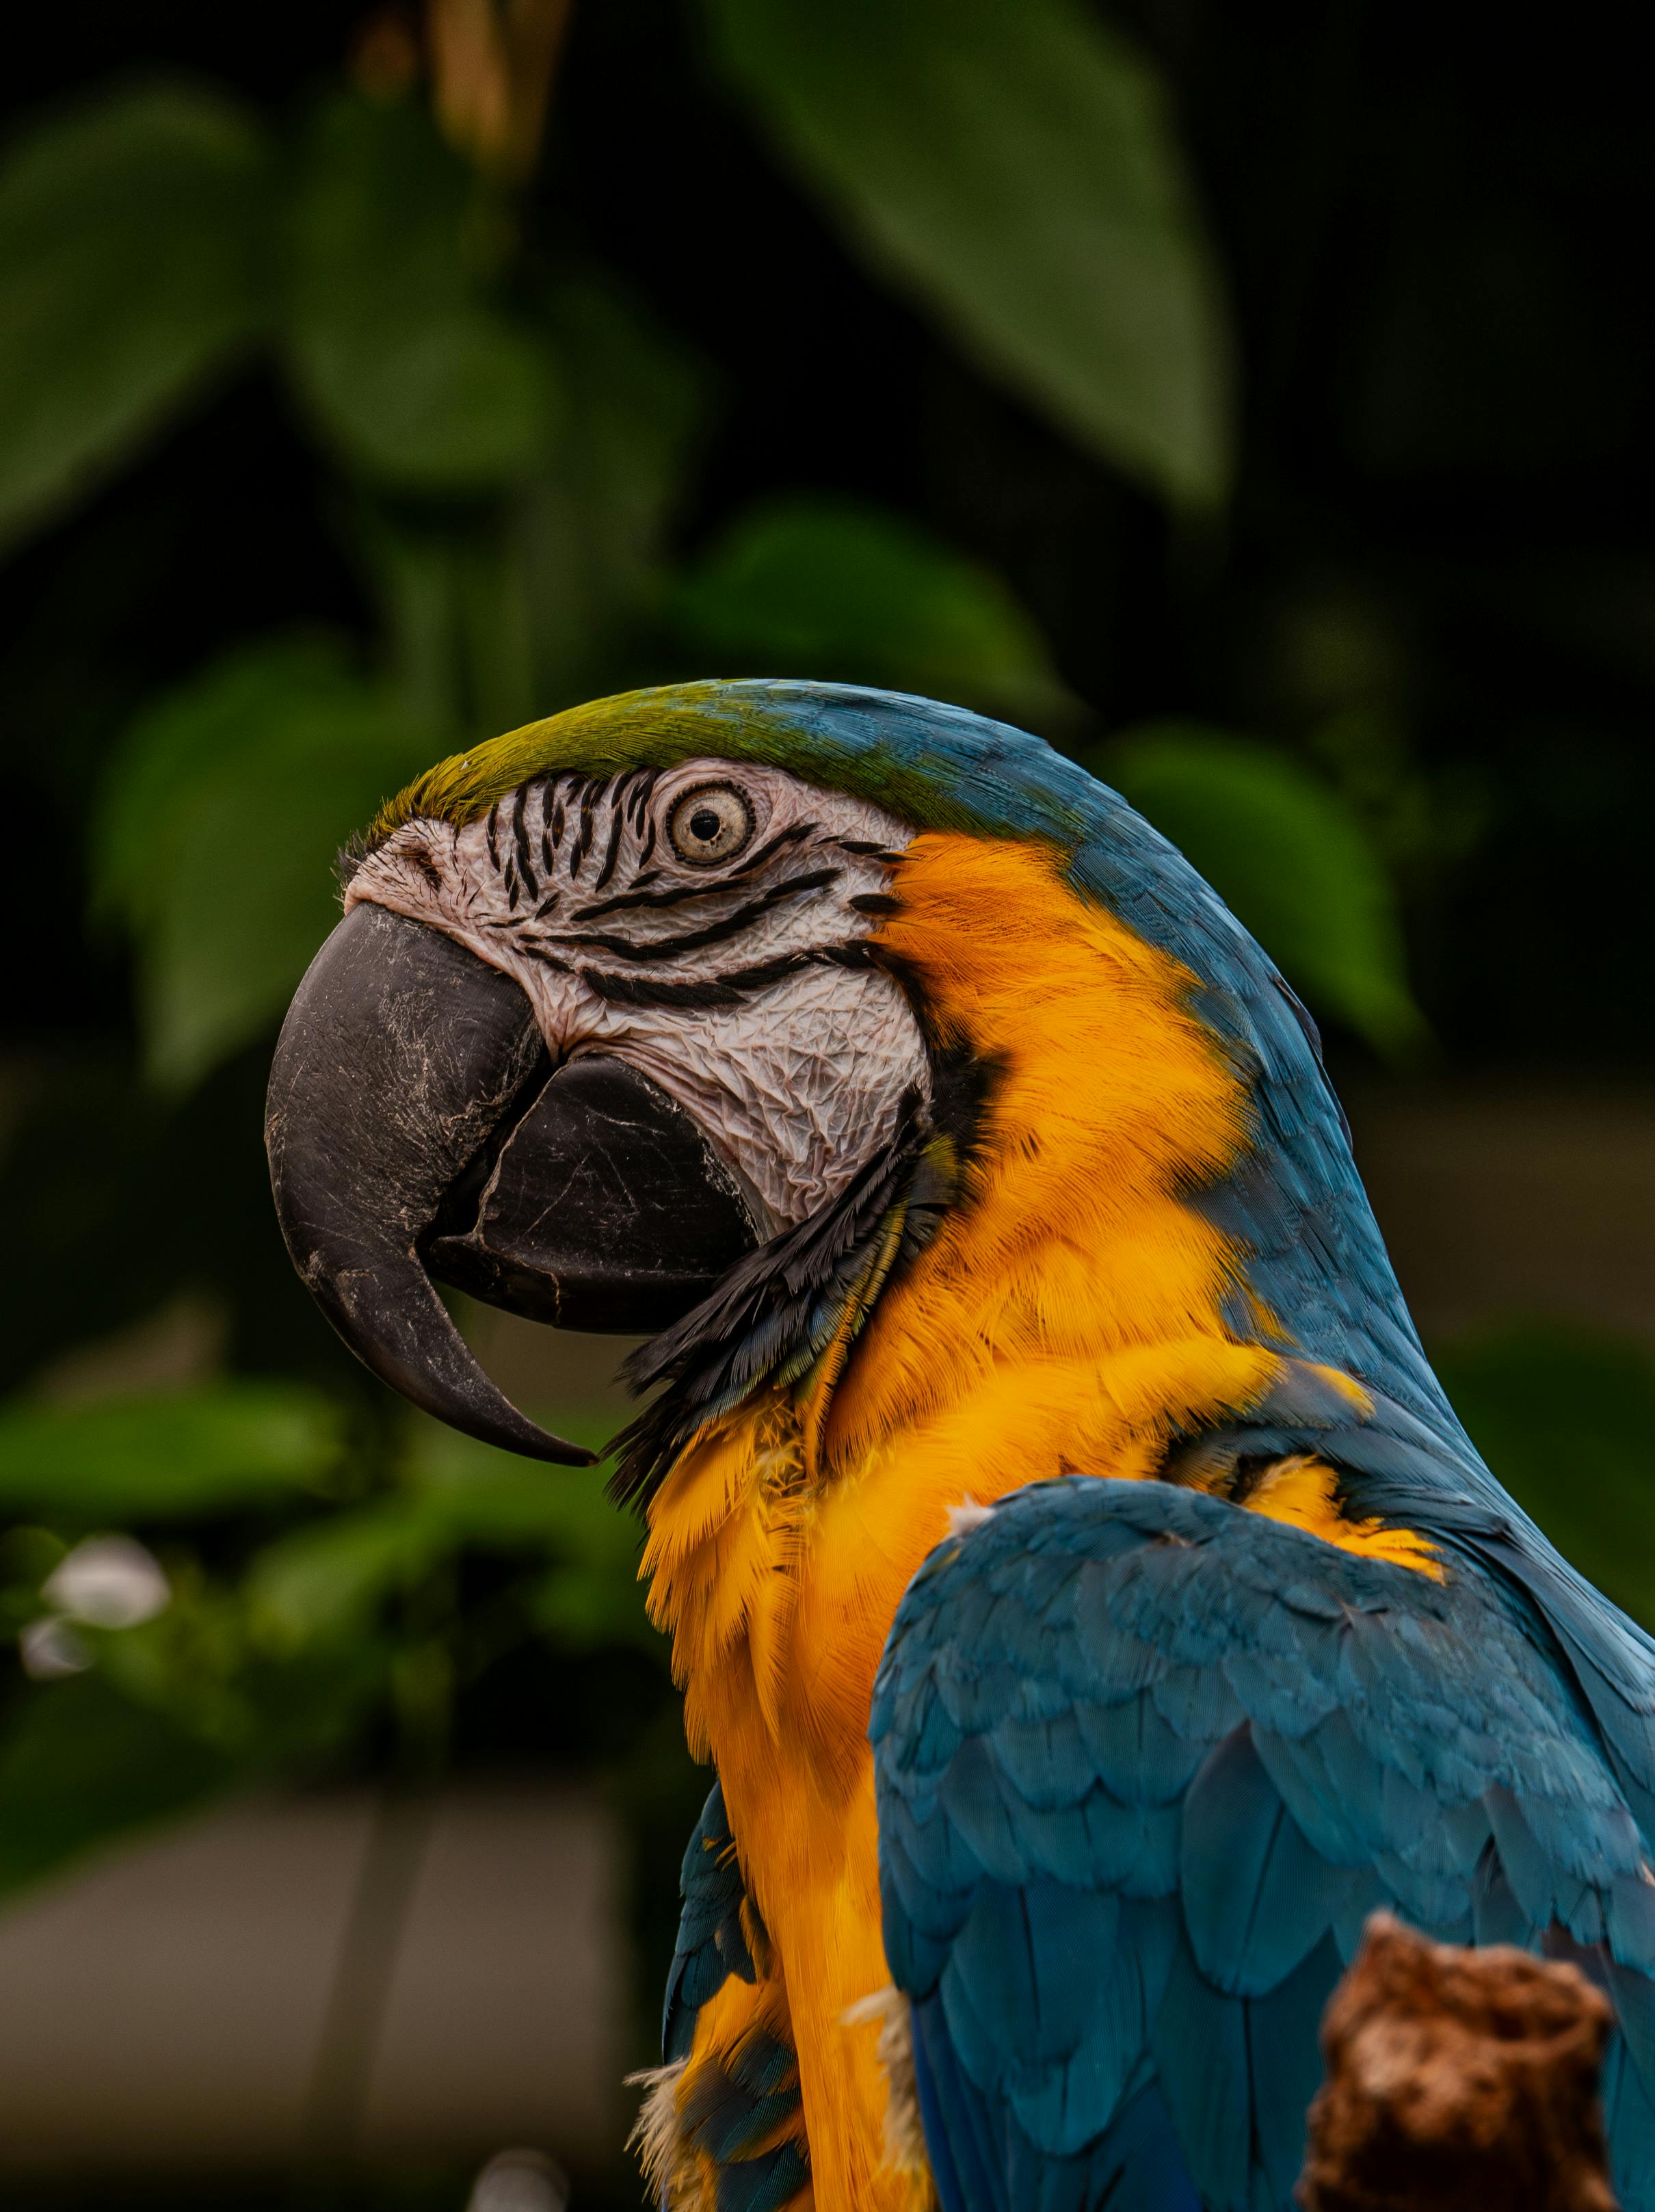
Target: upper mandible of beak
<point>415,1121</point>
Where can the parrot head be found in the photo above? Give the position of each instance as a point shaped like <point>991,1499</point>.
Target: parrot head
<point>698,1011</point>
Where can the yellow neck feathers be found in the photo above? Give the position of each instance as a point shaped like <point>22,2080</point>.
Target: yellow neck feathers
<point>1067,1315</point>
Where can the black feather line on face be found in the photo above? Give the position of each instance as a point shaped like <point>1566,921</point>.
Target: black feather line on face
<point>673,895</point>
<point>716,933</point>
<point>647,990</point>
<point>643,787</point>
<point>583,835</point>
<point>768,851</point>
<point>868,850</point>
<point>728,989</point>
<point>520,838</point>
<point>617,824</point>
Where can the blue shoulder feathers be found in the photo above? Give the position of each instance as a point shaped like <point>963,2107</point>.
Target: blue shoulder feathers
<point>1145,1763</point>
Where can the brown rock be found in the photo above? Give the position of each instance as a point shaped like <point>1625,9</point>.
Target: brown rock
<point>1458,2078</point>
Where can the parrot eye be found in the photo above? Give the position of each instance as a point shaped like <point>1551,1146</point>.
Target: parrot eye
<point>710,823</point>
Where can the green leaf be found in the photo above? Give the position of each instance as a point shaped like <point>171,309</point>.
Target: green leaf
<point>1565,1415</point>
<point>583,1607</point>
<point>81,1767</point>
<point>217,829</point>
<point>591,1599</point>
<point>327,1582</point>
<point>822,588</point>
<point>132,263</point>
<point>1288,857</point>
<point>224,1448</point>
<point>419,379</point>
<point>200,1665</point>
<point>528,604</point>
<point>1015,167</point>
<point>592,525</point>
<point>323,1584</point>
<point>456,598</point>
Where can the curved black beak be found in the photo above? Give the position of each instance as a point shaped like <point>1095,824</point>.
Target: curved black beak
<point>415,1127</point>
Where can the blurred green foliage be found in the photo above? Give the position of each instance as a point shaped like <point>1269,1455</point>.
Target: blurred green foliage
<point>1018,167</point>
<point>510,440</point>
<point>80,1766</point>
<point>290,735</point>
<point>1290,857</point>
<point>1565,1415</point>
<point>508,443</point>
<point>417,376</point>
<point>849,591</point>
<point>335,1588</point>
<point>135,250</point>
<point>224,1448</point>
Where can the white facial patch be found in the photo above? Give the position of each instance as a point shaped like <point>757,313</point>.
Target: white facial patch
<point>702,924</point>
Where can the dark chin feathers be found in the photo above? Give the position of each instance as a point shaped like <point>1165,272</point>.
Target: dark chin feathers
<point>777,1311</point>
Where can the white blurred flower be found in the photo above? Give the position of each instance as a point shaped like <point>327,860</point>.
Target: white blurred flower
<point>519,2181</point>
<point>108,1581</point>
<point>51,1647</point>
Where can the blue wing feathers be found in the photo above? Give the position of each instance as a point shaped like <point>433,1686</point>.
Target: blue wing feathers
<point>1195,1749</point>
<point>1631,1916</point>
<point>1257,1899</point>
<point>1138,2166</point>
<point>734,2105</point>
<point>712,1945</point>
<point>1284,2067</point>
<point>956,2118</point>
<point>1135,1754</point>
<point>1199,2043</point>
<point>1629,2124</point>
<point>1496,1916</point>
<point>728,2115</point>
<point>762,2185</point>
<point>1045,1761</point>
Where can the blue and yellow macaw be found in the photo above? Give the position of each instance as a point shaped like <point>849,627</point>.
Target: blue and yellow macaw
<point>1087,1596</point>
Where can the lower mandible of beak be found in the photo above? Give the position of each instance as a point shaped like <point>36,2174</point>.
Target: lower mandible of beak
<point>417,1127</point>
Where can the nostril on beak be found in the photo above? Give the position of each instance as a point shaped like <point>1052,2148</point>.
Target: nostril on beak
<point>462,1202</point>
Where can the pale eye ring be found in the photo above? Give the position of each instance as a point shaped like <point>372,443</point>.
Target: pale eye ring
<point>710,824</point>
